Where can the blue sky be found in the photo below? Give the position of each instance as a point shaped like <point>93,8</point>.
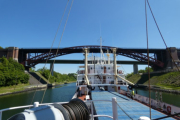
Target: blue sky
<point>33,24</point>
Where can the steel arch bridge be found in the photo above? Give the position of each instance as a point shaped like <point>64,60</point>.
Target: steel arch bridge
<point>92,49</point>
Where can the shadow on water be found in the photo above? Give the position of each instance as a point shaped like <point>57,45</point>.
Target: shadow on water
<point>60,93</point>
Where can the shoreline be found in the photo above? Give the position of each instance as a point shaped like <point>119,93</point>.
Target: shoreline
<point>157,88</point>
<point>33,88</point>
<point>21,91</point>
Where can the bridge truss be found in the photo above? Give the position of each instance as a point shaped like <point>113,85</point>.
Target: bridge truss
<point>94,49</point>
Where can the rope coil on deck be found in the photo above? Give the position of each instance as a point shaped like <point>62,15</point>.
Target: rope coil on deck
<point>76,109</point>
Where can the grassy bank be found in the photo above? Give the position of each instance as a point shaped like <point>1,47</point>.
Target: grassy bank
<point>22,87</point>
<point>169,80</point>
<point>14,88</point>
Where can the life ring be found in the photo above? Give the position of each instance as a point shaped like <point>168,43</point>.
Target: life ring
<point>169,109</point>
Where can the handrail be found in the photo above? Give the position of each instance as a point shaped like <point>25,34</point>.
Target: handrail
<point>26,106</point>
<point>103,116</point>
<point>18,107</point>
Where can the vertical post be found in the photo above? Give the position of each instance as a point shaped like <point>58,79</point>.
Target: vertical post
<point>0,115</point>
<point>52,68</point>
<point>92,110</point>
<point>115,66</point>
<point>114,108</point>
<point>135,67</point>
<point>86,70</point>
<point>85,55</point>
<point>36,104</point>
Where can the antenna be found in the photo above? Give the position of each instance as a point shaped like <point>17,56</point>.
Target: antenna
<point>101,48</point>
<point>100,29</point>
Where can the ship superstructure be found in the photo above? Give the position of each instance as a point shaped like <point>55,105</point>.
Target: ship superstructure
<point>100,73</point>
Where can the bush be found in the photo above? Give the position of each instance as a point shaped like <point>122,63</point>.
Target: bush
<point>11,72</point>
<point>129,75</point>
<point>57,77</point>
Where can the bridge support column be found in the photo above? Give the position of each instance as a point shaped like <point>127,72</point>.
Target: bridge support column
<point>13,52</point>
<point>52,68</point>
<point>174,54</point>
<point>135,68</point>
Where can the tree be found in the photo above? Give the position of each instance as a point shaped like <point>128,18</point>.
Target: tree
<point>150,69</point>
<point>141,71</point>
<point>12,72</point>
<point>32,69</point>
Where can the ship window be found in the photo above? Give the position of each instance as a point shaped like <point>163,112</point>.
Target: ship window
<point>91,68</point>
<point>90,78</point>
<point>82,78</point>
<point>101,67</point>
<point>109,68</point>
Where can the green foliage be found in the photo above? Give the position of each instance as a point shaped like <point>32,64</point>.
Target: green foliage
<point>57,77</point>
<point>150,69</point>
<point>1,48</point>
<point>170,80</point>
<point>32,69</point>
<point>146,70</point>
<point>141,71</point>
<point>11,72</point>
<point>129,75</point>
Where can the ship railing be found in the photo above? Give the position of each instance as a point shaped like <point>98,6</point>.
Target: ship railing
<point>114,109</point>
<point>36,104</point>
<point>96,81</point>
<point>104,81</point>
<point>100,70</point>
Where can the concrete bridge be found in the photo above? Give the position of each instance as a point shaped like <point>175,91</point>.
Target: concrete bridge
<point>159,59</point>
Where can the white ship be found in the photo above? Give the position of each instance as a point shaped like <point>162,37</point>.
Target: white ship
<point>100,73</point>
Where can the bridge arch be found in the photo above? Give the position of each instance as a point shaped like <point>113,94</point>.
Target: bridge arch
<point>92,49</point>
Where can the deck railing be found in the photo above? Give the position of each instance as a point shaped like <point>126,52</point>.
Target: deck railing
<point>36,104</point>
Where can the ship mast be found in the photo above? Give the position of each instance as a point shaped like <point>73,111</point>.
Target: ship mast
<point>101,48</point>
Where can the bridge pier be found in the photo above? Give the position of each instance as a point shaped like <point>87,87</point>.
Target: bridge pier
<point>174,53</point>
<point>135,68</point>
<point>52,68</point>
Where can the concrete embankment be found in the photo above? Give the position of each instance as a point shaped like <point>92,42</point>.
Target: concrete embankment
<point>37,78</point>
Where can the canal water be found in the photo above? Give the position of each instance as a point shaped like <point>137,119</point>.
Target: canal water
<point>64,93</point>
<point>61,93</point>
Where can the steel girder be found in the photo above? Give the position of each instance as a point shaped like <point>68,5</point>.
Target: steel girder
<point>140,57</point>
<point>79,49</point>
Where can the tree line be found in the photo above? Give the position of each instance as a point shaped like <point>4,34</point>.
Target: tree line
<point>140,71</point>
<point>12,72</point>
<point>57,77</point>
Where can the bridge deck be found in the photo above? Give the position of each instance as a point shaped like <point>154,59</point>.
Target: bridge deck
<point>129,108</point>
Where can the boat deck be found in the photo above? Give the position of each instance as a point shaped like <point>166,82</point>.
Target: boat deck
<point>130,109</point>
